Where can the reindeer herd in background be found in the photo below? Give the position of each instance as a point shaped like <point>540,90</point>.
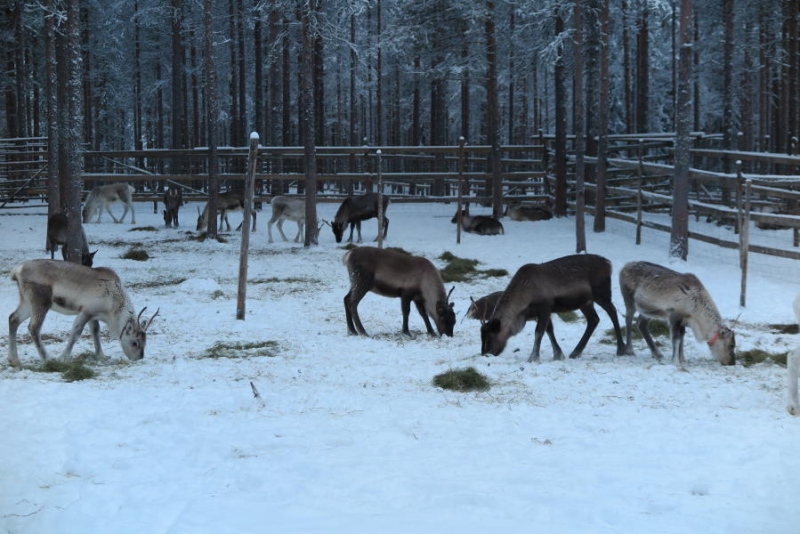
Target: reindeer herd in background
<point>535,292</point>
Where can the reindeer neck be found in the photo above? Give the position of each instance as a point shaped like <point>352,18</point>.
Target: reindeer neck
<point>706,321</point>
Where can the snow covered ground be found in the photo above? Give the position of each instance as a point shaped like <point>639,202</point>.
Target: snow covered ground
<point>351,436</point>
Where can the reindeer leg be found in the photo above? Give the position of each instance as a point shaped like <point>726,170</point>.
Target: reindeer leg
<point>424,315</point>
<point>792,368</point>
<point>360,285</point>
<point>280,229</point>
<point>108,209</point>
<point>611,310</point>
<point>125,212</point>
<point>405,306</point>
<point>133,213</point>
<point>94,326</point>
<point>300,225</point>
<point>20,315</point>
<point>644,329</point>
<point>253,215</point>
<point>77,328</point>
<point>558,354</point>
<point>592,320</point>
<point>677,332</point>
<point>541,327</point>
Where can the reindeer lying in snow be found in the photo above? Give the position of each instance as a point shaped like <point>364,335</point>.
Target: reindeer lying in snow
<point>92,294</point>
<point>57,235</point>
<point>793,367</point>
<point>395,274</point>
<point>479,224</point>
<point>538,290</point>
<point>680,299</point>
<point>525,211</point>
<point>103,196</point>
<point>291,208</point>
<point>228,201</point>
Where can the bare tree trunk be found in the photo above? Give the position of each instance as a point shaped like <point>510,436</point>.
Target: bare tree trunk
<point>307,112</point>
<point>71,133</point>
<point>643,71</point>
<point>212,119</point>
<point>602,124</point>
<point>560,208</point>
<point>679,238</point>
<point>493,113</point>
<point>51,90</point>
<point>179,125</point>
<point>580,128</point>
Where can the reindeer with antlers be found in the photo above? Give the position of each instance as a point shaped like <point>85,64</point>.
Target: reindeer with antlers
<point>92,295</point>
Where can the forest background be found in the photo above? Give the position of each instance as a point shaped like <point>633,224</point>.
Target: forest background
<point>144,74</point>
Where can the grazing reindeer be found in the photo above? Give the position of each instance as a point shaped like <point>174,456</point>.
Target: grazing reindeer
<point>228,201</point>
<point>57,235</point>
<point>536,291</point>
<point>356,209</point>
<point>103,196</point>
<point>291,208</point>
<point>518,211</point>
<point>680,299</point>
<point>479,224</point>
<point>173,200</point>
<point>92,294</point>
<point>395,274</point>
<point>793,367</point>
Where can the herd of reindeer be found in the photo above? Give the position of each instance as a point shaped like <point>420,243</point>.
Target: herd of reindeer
<point>535,292</point>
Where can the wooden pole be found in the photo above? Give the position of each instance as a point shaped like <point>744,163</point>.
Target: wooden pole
<point>252,159</point>
<point>745,241</point>
<point>639,194</point>
<point>461,143</point>
<point>380,201</point>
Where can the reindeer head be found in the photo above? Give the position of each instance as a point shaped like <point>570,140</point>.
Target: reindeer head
<point>338,228</point>
<point>201,220</point>
<point>445,316</point>
<point>491,340</point>
<point>723,346</point>
<point>134,336</point>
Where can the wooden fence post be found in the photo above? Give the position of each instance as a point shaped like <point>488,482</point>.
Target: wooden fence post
<point>461,142</point>
<point>380,199</point>
<point>744,235</point>
<point>639,194</point>
<point>252,159</point>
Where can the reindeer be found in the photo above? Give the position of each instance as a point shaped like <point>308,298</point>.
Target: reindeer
<point>57,235</point>
<point>536,291</point>
<point>173,199</point>
<point>793,367</point>
<point>92,294</point>
<point>228,201</point>
<point>519,211</point>
<point>395,274</point>
<point>353,210</point>
<point>103,196</point>
<point>291,208</point>
<point>678,298</point>
<point>479,224</point>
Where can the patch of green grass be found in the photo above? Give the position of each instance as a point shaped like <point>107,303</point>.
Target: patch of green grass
<point>754,356</point>
<point>203,236</point>
<point>570,317</point>
<point>287,280</point>
<point>70,371</point>
<point>136,254</point>
<point>462,270</point>
<point>657,329</point>
<point>157,283</point>
<point>241,349</point>
<point>144,229</point>
<point>466,379</point>
<point>791,328</point>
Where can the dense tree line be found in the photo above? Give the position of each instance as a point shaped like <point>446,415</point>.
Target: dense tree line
<point>401,72</point>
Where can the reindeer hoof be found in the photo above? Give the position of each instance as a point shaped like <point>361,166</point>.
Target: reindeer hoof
<point>793,409</point>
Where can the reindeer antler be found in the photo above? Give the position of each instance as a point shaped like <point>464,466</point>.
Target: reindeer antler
<point>450,293</point>
<point>148,323</point>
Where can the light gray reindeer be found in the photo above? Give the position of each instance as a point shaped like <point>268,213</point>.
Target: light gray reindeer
<point>395,274</point>
<point>57,235</point>
<point>793,367</point>
<point>291,208</point>
<point>103,196</point>
<point>538,290</point>
<point>681,300</point>
<point>92,294</point>
<point>228,201</point>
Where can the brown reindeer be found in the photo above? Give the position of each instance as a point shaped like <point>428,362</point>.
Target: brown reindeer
<point>395,274</point>
<point>657,292</point>
<point>525,211</point>
<point>228,201</point>
<point>57,235</point>
<point>479,224</point>
<point>173,199</point>
<point>538,290</point>
<point>355,209</point>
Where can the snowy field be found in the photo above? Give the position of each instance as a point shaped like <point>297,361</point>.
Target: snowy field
<point>351,436</point>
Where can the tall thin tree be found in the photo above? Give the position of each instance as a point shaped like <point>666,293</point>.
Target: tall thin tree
<point>679,237</point>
